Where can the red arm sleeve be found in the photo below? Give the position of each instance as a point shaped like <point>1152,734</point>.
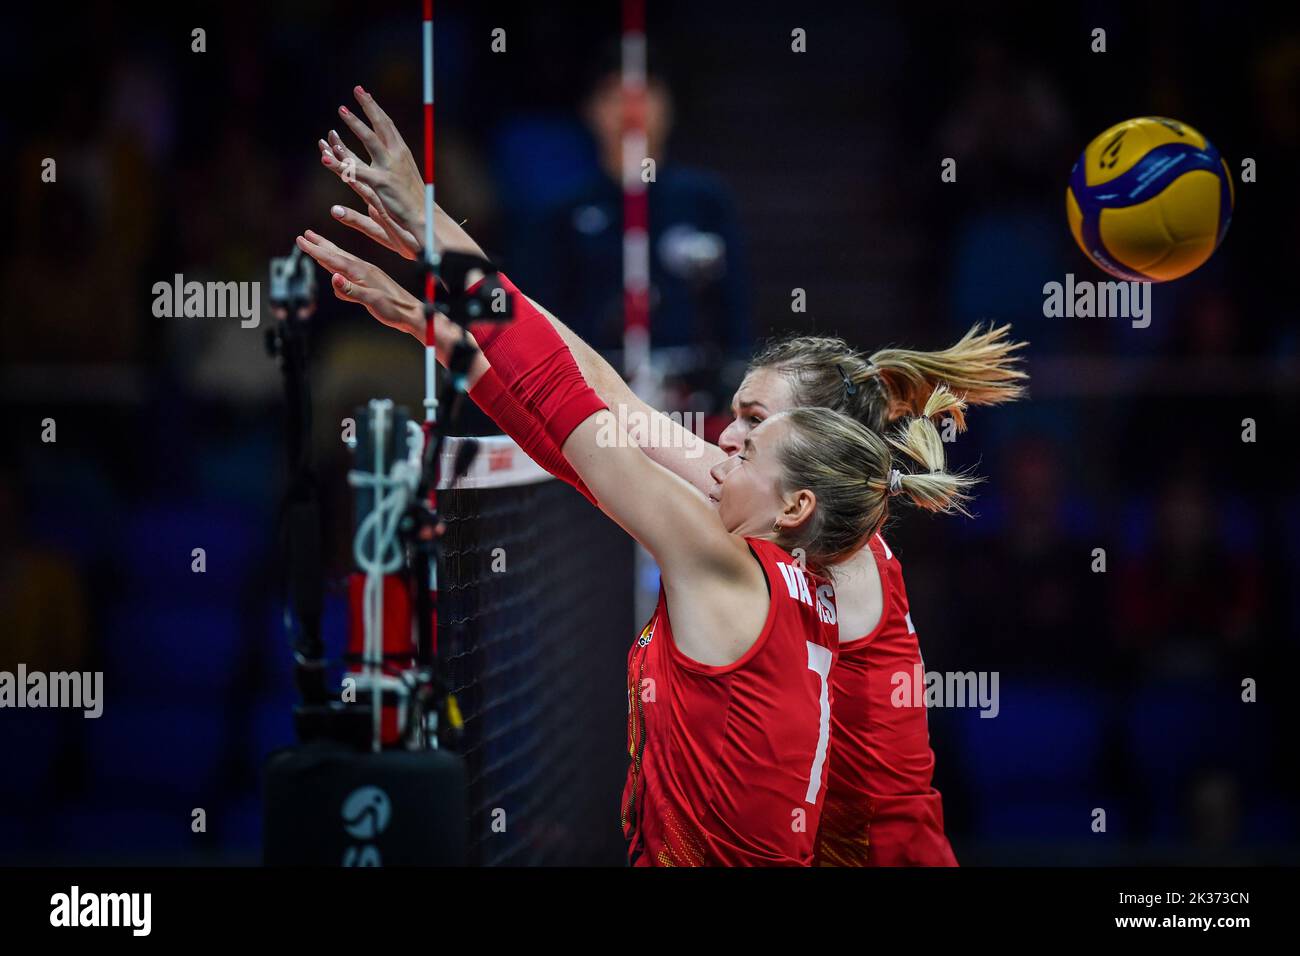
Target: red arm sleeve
<point>532,361</point>
<point>518,422</point>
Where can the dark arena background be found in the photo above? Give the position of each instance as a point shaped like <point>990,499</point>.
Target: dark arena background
<point>889,173</point>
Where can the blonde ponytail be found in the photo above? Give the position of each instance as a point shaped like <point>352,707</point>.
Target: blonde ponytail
<point>892,383</point>
<point>852,472</point>
<point>981,367</point>
<point>934,489</point>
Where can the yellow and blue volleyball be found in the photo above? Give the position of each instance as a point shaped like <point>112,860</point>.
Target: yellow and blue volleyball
<point>1149,200</point>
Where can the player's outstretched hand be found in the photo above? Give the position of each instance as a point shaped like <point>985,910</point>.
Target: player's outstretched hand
<point>355,280</point>
<point>390,184</point>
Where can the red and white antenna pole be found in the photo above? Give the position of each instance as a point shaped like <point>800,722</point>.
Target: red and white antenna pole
<point>431,262</point>
<point>636,246</point>
<point>430,252</point>
<point>636,203</point>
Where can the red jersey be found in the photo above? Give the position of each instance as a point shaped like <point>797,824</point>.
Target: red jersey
<point>729,763</point>
<point>880,807</point>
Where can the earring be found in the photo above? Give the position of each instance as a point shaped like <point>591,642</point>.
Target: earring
<point>776,526</point>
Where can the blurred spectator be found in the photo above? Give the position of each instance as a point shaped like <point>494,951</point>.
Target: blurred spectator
<point>571,258</point>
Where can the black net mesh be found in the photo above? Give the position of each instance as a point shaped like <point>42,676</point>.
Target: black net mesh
<point>535,619</point>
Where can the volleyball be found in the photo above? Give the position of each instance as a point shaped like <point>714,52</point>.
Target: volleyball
<point>1149,199</point>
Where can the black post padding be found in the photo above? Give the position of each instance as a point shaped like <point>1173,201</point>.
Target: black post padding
<point>328,805</point>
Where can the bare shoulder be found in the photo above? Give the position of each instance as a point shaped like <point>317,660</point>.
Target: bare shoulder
<point>716,621</point>
<point>859,594</point>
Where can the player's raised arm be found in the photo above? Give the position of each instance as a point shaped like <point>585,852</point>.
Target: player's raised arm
<point>659,509</point>
<point>669,443</point>
<point>392,188</point>
<point>355,280</point>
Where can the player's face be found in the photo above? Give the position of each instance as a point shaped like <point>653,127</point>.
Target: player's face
<point>746,488</point>
<point>762,394</point>
<point>605,110</point>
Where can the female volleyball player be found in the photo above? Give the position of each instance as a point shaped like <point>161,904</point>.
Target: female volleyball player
<point>881,809</point>
<point>729,696</point>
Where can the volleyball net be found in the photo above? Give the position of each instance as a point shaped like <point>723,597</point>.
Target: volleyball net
<point>534,609</point>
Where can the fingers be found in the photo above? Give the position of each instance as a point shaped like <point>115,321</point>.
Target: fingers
<point>384,126</point>
<point>330,256</point>
<point>366,225</point>
<point>400,240</point>
<point>374,146</point>
<point>349,290</point>
<point>354,280</point>
<point>313,251</point>
<point>347,165</point>
<point>334,145</point>
<point>371,198</point>
<point>404,242</point>
<point>402,312</point>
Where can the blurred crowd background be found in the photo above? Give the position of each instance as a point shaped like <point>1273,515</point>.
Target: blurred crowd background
<point>776,171</point>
